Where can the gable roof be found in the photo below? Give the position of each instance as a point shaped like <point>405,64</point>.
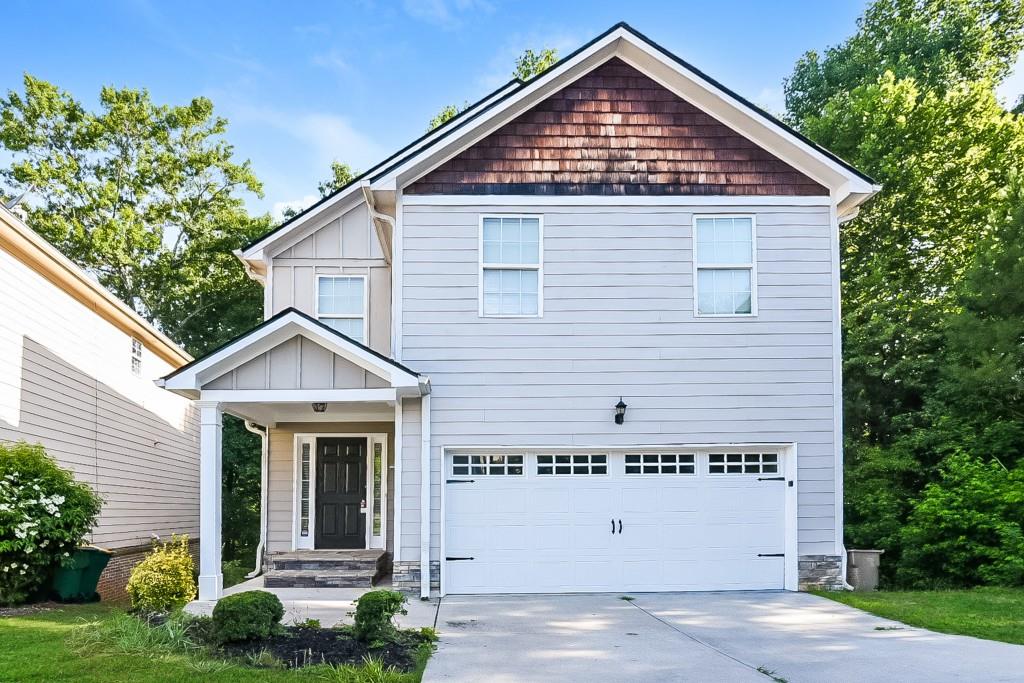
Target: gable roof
<point>850,185</point>
<point>189,379</point>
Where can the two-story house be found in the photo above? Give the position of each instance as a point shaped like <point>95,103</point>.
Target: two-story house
<point>582,337</point>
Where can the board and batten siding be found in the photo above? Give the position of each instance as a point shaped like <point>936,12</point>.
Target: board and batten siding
<point>618,321</point>
<point>66,383</point>
<point>345,245</point>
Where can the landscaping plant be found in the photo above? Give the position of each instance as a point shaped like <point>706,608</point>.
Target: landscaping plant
<point>44,515</point>
<point>374,616</point>
<point>164,580</point>
<point>246,616</point>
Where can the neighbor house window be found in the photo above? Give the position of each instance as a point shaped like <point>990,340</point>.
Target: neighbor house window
<point>510,266</point>
<point>725,269</point>
<point>341,304</point>
<point>136,357</point>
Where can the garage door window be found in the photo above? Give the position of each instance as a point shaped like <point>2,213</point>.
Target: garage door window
<point>487,465</point>
<point>743,463</point>
<point>661,463</point>
<point>572,464</point>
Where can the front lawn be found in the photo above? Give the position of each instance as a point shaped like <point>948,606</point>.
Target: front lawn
<point>990,613</point>
<point>36,648</point>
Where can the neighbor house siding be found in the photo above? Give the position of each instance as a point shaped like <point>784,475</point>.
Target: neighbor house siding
<point>345,245</point>
<point>66,383</point>
<point>281,478</point>
<point>618,321</point>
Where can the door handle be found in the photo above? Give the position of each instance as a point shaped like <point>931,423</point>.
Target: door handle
<point>613,526</point>
<point>620,526</point>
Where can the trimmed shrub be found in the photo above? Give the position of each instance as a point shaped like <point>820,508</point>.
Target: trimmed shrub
<point>246,616</point>
<point>44,515</point>
<point>374,613</point>
<point>164,580</point>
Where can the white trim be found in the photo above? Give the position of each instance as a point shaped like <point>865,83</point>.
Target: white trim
<point>539,266</point>
<point>425,478</point>
<point>697,265</point>
<point>309,542</point>
<point>396,553</point>
<point>211,579</point>
<point>618,200</point>
<point>298,395</point>
<point>268,292</point>
<point>274,244</point>
<point>837,381</point>
<point>787,452</point>
<point>364,316</point>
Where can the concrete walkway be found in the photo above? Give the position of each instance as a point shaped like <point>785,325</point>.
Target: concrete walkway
<point>751,636</point>
<point>331,606</point>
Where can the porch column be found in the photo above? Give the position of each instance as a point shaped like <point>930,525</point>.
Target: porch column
<point>210,432</point>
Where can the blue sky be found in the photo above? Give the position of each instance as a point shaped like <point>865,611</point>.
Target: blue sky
<point>303,83</point>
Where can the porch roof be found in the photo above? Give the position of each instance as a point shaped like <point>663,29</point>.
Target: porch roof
<point>192,380</point>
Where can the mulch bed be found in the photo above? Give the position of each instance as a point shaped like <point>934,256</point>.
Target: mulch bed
<point>24,610</point>
<point>304,646</point>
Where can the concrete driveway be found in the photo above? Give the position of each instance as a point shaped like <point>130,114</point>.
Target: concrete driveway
<point>754,636</point>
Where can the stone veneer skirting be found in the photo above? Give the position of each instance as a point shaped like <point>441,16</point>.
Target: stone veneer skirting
<point>822,572</point>
<point>405,576</point>
<point>115,577</point>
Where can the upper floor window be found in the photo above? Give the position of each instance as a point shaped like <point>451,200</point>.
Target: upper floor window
<point>136,357</point>
<point>725,265</point>
<point>341,304</point>
<point>511,266</point>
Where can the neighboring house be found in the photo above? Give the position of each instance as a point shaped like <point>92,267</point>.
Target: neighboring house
<point>76,375</point>
<point>582,337</point>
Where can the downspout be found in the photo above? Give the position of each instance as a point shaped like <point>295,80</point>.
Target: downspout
<point>382,236</point>
<point>264,462</point>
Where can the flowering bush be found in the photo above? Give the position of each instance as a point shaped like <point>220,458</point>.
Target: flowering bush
<point>163,581</point>
<point>44,515</point>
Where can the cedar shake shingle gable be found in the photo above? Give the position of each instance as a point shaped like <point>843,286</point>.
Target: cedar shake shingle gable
<point>615,131</point>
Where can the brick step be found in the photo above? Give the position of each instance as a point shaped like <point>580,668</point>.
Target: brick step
<point>292,578</point>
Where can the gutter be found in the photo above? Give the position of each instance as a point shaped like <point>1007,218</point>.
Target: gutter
<point>264,462</point>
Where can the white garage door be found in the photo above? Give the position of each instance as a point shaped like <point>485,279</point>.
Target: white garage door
<point>614,521</point>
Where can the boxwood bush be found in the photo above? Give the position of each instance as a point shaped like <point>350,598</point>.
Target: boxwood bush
<point>246,616</point>
<point>44,515</point>
<point>164,581</point>
<point>374,613</point>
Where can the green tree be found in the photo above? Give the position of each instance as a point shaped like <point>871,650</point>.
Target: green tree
<point>145,196</point>
<point>341,175</point>
<point>528,65</point>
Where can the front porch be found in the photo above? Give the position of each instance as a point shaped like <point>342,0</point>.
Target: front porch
<point>330,414</point>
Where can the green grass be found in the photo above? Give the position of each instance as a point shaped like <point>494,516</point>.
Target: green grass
<point>990,613</point>
<point>38,648</point>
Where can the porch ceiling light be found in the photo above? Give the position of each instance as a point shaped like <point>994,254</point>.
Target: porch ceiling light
<point>319,407</point>
<point>620,412</point>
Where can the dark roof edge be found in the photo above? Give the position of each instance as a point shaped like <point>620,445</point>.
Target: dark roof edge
<point>275,318</point>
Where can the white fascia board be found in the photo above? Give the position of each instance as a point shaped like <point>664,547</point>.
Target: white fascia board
<point>278,332</point>
<point>307,225</point>
<point>738,116</point>
<point>486,122</point>
<point>298,395</point>
<point>612,200</point>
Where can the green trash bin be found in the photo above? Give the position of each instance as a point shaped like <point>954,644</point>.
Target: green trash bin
<point>76,581</point>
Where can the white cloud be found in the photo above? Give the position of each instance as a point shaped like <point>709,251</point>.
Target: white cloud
<point>1013,87</point>
<point>772,100</point>
<point>444,13</point>
<point>277,211</point>
<point>333,61</point>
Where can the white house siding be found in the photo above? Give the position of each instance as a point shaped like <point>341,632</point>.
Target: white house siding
<point>66,382</point>
<point>618,321</point>
<point>281,474</point>
<point>346,245</point>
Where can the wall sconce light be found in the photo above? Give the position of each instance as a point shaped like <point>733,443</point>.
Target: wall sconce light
<point>319,407</point>
<point>620,412</point>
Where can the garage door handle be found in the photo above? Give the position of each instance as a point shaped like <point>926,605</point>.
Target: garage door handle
<point>460,481</point>
<point>771,554</point>
<point>620,526</point>
<point>613,526</point>
<point>771,479</point>
<point>458,559</point>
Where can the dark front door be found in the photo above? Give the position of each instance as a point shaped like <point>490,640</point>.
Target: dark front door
<point>340,492</point>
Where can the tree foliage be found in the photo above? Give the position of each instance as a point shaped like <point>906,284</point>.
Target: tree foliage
<point>145,196</point>
<point>931,298</point>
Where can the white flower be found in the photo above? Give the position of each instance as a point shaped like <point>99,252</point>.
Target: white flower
<point>22,572</point>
